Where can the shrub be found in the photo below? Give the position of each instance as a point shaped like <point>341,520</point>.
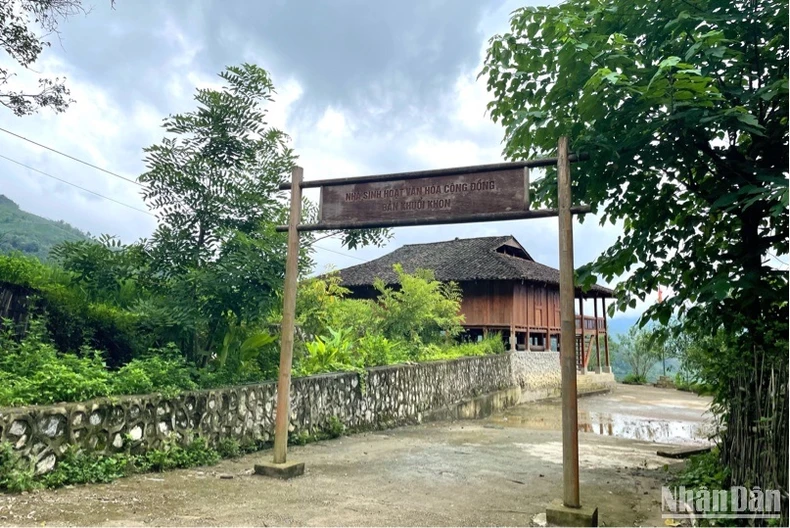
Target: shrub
<point>78,467</point>
<point>375,350</point>
<point>29,272</point>
<point>229,448</point>
<point>690,385</point>
<point>63,379</point>
<point>32,371</point>
<point>704,470</point>
<point>173,456</point>
<point>317,301</point>
<point>329,354</point>
<point>634,379</point>
<point>15,476</point>
<point>422,311</point>
<point>163,370</point>
<point>493,344</point>
<point>355,315</point>
<point>336,427</point>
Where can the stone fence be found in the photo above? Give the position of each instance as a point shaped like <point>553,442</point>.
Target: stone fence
<point>381,397</point>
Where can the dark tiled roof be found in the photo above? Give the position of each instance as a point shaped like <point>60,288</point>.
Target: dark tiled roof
<point>459,260</point>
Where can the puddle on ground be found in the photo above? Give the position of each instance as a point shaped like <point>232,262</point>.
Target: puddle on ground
<point>620,425</point>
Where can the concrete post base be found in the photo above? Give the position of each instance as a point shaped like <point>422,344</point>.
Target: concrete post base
<point>607,370</point>
<point>560,515</point>
<point>281,471</point>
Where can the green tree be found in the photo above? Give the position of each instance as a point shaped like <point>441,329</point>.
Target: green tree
<point>20,24</point>
<point>683,106</point>
<point>421,310</point>
<point>214,182</point>
<point>106,269</point>
<point>673,342</point>
<point>218,172</point>
<point>638,350</point>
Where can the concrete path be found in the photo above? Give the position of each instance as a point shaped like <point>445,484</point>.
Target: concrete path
<point>498,471</point>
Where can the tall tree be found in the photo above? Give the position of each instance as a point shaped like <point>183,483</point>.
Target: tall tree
<point>21,22</point>
<point>218,172</point>
<point>214,183</point>
<point>638,351</point>
<point>683,105</point>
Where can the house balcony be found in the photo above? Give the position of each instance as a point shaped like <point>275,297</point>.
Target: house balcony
<point>590,324</point>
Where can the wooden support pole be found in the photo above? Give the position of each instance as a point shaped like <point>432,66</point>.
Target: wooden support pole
<point>513,337</point>
<point>547,320</point>
<point>606,336</point>
<point>583,346</point>
<point>570,424</point>
<point>282,418</point>
<point>597,340</point>
<point>527,297</point>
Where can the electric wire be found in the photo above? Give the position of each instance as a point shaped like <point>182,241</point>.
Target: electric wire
<point>75,185</point>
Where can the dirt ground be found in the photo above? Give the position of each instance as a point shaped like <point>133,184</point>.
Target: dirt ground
<point>503,470</point>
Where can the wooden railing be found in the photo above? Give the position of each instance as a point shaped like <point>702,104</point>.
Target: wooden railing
<point>589,324</point>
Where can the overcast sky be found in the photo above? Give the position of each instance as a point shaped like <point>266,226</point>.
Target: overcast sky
<point>363,87</point>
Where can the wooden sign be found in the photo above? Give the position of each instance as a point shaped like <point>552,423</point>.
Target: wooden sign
<point>442,197</point>
<point>462,194</point>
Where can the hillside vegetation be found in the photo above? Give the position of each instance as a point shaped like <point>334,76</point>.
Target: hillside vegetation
<point>32,234</point>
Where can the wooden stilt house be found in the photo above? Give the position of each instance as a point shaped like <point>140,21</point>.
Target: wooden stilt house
<point>504,290</point>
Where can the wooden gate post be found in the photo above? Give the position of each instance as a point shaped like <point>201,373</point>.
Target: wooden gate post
<point>608,367</point>
<point>280,468</point>
<point>569,512</point>
<point>597,337</point>
<point>570,432</point>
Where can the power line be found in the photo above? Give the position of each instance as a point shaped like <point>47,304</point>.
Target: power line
<point>75,185</point>
<point>777,259</point>
<point>117,176</point>
<point>111,173</point>
<point>339,253</point>
<point>308,244</point>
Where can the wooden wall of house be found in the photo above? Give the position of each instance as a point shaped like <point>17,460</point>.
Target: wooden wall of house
<point>536,306</point>
<point>500,303</point>
<point>519,304</point>
<point>487,303</point>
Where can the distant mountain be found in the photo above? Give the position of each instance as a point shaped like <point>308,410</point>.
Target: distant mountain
<point>620,323</point>
<point>29,233</point>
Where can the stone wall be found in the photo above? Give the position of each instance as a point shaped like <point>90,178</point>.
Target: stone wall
<point>382,397</point>
<point>592,382</point>
<point>537,374</point>
<point>539,377</point>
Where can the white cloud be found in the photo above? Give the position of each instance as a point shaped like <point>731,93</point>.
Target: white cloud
<point>336,136</point>
<point>288,93</point>
<point>333,124</point>
<point>436,153</point>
